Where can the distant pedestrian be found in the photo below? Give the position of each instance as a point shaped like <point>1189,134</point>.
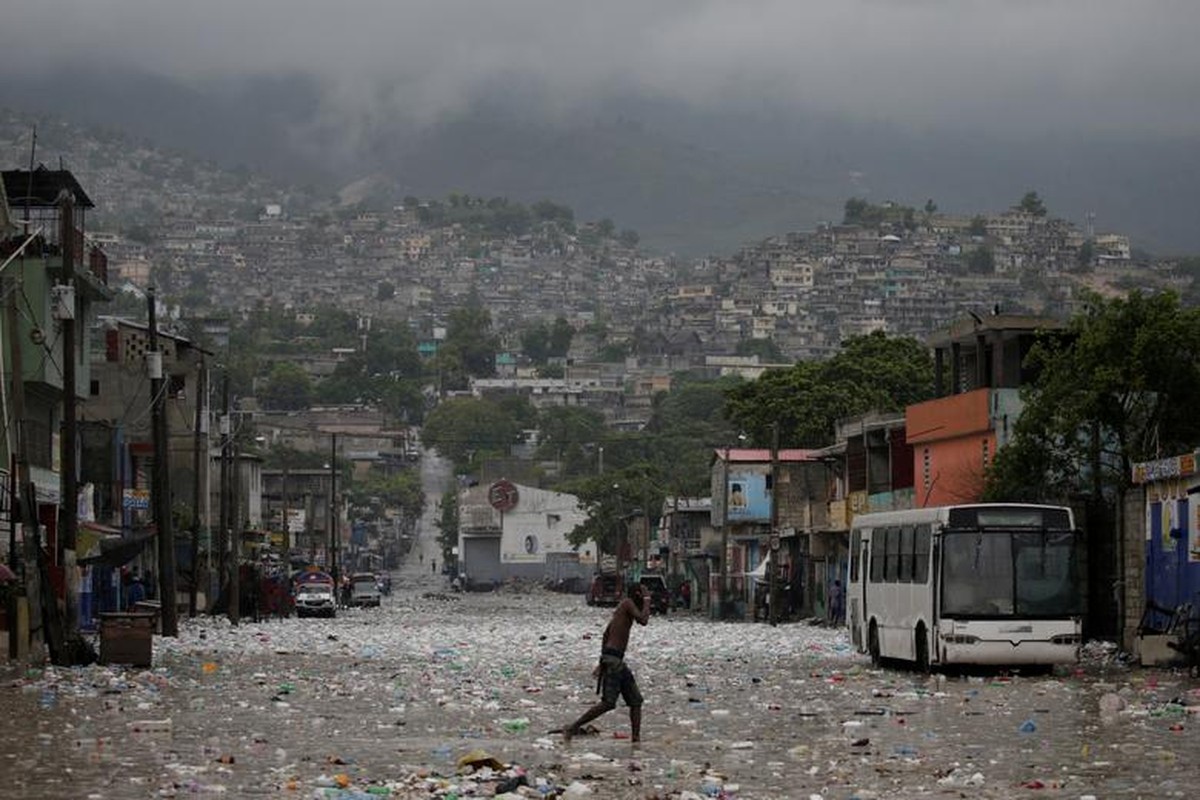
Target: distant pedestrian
<point>422,557</point>
<point>433,567</point>
<point>685,594</point>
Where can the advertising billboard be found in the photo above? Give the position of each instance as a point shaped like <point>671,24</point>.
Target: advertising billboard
<point>749,500</point>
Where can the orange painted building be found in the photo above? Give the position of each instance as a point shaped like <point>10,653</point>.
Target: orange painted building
<point>979,367</point>
<point>953,444</point>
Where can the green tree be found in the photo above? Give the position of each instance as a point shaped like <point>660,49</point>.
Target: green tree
<point>447,524</point>
<point>402,399</point>
<point>854,211</point>
<point>470,346</point>
<point>465,428</point>
<point>871,373</point>
<point>613,351</point>
<point>569,435</point>
<point>978,226</point>
<point>1032,204</point>
<point>612,501</point>
<point>535,342</point>
<point>1087,252</point>
<point>561,335</point>
<point>288,388</point>
<point>379,494</point>
<point>767,351</point>
<point>1117,388</point>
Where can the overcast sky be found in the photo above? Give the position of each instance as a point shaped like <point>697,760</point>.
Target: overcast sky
<point>1067,66</point>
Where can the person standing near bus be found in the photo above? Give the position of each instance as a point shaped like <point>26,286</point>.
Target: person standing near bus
<point>837,603</point>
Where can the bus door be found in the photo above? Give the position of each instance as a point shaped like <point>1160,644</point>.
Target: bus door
<point>856,590</point>
<point>935,583</point>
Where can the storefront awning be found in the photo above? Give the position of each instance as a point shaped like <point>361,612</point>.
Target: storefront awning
<point>117,551</point>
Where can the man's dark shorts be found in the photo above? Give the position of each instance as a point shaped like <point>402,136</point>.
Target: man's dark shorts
<point>619,680</point>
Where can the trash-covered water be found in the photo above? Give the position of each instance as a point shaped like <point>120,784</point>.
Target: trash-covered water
<point>452,696</point>
<point>386,702</point>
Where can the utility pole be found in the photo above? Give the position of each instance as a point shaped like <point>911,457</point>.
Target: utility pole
<point>723,601</point>
<point>162,478</point>
<point>235,524</point>
<point>201,395</point>
<point>42,605</point>
<point>333,532</point>
<point>223,493</point>
<point>69,508</point>
<point>287,531</point>
<point>773,551</point>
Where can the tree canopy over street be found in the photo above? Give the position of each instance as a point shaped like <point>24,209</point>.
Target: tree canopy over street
<point>870,373</point>
<point>1119,387</point>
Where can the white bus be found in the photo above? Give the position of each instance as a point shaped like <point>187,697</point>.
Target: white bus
<point>999,583</point>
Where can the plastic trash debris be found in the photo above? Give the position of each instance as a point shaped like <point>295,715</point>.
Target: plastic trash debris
<point>1028,726</point>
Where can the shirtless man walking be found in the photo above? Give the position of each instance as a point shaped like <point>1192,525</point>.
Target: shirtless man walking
<point>613,676</point>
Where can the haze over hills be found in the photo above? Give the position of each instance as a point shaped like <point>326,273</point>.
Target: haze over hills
<point>696,155</point>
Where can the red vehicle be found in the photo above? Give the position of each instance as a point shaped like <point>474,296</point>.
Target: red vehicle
<point>314,594</point>
<point>607,589</point>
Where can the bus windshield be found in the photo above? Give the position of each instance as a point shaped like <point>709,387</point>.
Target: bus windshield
<point>1012,573</point>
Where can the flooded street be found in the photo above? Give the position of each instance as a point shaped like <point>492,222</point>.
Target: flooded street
<point>390,699</point>
<point>437,694</point>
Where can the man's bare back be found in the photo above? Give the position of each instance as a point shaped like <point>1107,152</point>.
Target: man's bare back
<point>616,635</point>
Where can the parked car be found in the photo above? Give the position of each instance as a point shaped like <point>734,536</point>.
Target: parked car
<point>364,589</point>
<point>660,595</point>
<point>606,590</point>
<point>315,599</point>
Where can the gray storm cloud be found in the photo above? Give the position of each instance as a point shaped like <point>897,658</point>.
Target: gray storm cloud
<point>1072,65</point>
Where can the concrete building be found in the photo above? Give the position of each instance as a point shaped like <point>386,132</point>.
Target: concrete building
<point>509,530</point>
<point>955,436</point>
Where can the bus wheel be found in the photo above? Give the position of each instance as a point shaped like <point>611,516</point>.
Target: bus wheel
<point>873,644</point>
<point>922,649</point>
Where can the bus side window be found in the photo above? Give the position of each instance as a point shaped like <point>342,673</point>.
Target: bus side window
<point>855,555</point>
<point>906,554</point>
<point>892,548</point>
<point>876,545</point>
<point>921,554</point>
